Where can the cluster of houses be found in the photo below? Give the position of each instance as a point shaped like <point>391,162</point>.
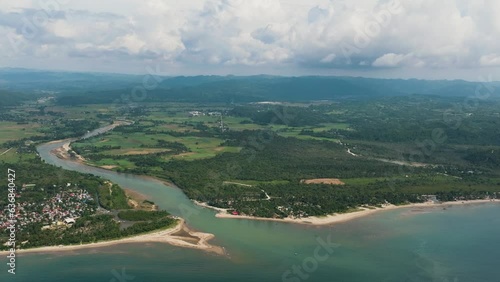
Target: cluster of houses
<point>60,210</point>
<point>198,113</point>
<point>222,126</point>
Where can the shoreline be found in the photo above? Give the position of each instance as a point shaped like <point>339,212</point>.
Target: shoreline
<point>313,220</point>
<point>344,217</point>
<point>205,205</point>
<point>167,236</point>
<point>57,141</point>
<point>185,238</point>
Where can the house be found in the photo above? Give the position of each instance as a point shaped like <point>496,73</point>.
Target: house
<point>29,186</point>
<point>195,114</point>
<point>69,221</point>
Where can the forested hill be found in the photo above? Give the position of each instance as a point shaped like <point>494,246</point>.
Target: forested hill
<point>90,88</point>
<point>8,98</point>
<point>36,81</point>
<point>231,89</point>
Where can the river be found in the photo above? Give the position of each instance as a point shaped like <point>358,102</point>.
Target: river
<point>461,243</point>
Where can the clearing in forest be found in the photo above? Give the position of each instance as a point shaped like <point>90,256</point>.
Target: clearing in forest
<point>331,181</point>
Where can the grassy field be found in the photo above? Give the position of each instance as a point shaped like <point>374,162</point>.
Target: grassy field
<point>296,134</point>
<point>129,141</point>
<point>286,131</point>
<point>177,127</point>
<point>80,112</point>
<point>181,122</point>
<point>177,119</point>
<point>11,156</point>
<point>206,152</point>
<point>200,147</point>
<point>255,182</point>
<point>10,131</point>
<point>113,163</point>
<point>137,151</point>
<point>330,126</point>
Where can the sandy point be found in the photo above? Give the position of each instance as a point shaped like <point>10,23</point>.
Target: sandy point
<point>179,235</point>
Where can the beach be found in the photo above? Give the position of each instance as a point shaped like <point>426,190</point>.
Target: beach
<point>62,152</point>
<point>179,235</point>
<point>364,246</point>
<point>205,205</point>
<point>343,217</point>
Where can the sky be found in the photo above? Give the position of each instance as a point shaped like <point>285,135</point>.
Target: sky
<point>445,39</point>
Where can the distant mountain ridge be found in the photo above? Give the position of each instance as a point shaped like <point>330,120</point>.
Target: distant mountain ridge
<point>75,88</point>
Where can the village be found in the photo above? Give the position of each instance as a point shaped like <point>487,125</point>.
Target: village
<point>60,210</point>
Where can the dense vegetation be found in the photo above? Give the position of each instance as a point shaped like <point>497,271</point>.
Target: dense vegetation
<point>83,88</point>
<point>388,136</point>
<point>49,180</point>
<point>48,183</point>
<point>292,159</point>
<point>112,197</point>
<point>8,98</point>
<point>264,88</point>
<point>218,140</point>
<point>89,229</point>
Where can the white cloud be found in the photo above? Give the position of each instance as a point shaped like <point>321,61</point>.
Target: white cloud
<point>490,60</point>
<point>329,58</point>
<point>398,60</point>
<point>423,34</point>
<point>389,60</point>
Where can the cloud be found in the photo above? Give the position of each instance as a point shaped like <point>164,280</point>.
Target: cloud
<point>329,58</point>
<point>398,60</point>
<point>490,60</point>
<point>267,35</point>
<point>317,14</point>
<point>389,60</point>
<point>313,35</point>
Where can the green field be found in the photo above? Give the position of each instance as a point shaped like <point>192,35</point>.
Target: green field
<point>124,164</point>
<point>10,131</point>
<point>207,152</point>
<point>200,147</point>
<point>255,182</point>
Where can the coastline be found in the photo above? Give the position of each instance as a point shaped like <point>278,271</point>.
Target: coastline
<point>344,217</point>
<point>62,152</point>
<point>179,235</point>
<point>205,205</point>
<point>184,239</point>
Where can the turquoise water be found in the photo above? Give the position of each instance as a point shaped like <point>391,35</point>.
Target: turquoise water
<point>461,243</point>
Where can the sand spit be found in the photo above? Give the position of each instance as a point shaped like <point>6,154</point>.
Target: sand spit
<point>179,235</point>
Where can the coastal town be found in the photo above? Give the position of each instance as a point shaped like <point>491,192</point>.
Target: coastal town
<point>58,210</point>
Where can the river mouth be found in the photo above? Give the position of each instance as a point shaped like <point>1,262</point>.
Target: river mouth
<point>391,246</point>
<point>172,199</point>
<point>57,153</point>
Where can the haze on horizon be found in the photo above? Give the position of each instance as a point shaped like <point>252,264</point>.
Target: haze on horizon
<point>449,39</point>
